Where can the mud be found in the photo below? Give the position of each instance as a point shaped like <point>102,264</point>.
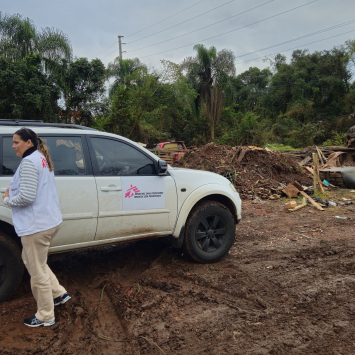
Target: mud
<point>274,293</point>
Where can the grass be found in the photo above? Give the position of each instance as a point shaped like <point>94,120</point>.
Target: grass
<point>327,195</point>
<point>335,195</point>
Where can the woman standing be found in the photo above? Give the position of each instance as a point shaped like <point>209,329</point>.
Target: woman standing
<point>33,197</point>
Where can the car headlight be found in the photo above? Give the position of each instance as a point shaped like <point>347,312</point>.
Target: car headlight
<point>232,187</point>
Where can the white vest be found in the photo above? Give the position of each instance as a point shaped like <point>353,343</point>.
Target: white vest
<point>44,213</point>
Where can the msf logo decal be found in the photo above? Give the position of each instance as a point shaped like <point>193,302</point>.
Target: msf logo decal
<point>131,191</point>
<point>44,163</point>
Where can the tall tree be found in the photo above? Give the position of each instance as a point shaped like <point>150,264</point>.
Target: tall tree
<point>122,71</point>
<point>84,85</point>
<point>26,92</point>
<point>19,37</point>
<point>250,87</point>
<point>210,74</point>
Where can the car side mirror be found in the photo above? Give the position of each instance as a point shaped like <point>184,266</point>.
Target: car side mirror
<point>162,167</point>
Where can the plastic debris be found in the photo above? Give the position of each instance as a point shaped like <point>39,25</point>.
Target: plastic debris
<point>302,235</point>
<point>339,217</point>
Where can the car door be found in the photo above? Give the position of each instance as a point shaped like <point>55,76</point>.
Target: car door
<point>133,200</point>
<point>75,182</point>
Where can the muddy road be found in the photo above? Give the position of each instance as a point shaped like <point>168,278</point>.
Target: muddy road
<point>276,292</point>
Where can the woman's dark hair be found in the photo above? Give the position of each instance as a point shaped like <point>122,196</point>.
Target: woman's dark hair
<point>27,134</point>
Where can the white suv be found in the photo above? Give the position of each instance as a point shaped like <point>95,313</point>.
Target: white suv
<point>111,190</point>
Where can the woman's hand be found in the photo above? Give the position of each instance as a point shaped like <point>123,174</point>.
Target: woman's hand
<point>6,194</point>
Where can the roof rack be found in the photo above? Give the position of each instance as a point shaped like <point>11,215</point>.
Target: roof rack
<point>5,122</point>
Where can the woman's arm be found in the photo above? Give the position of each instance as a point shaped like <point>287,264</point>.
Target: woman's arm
<point>28,186</point>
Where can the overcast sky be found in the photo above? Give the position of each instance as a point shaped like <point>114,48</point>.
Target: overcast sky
<point>93,26</point>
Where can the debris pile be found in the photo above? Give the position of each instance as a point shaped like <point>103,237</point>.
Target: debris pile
<point>255,172</point>
<point>304,155</point>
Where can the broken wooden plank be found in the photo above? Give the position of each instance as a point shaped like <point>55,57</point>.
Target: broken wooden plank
<point>310,170</point>
<point>241,155</point>
<point>314,203</point>
<point>297,207</point>
<point>325,159</point>
<point>297,185</point>
<point>316,179</point>
<point>304,161</point>
<point>238,150</point>
<point>320,156</point>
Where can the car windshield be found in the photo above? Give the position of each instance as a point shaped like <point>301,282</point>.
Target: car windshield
<point>173,146</point>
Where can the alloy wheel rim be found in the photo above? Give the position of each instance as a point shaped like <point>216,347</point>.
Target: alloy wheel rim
<point>210,233</point>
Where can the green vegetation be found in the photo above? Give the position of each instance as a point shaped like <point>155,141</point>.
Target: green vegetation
<point>290,104</point>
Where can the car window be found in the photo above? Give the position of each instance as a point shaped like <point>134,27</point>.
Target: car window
<point>66,154</point>
<point>115,158</point>
<point>10,161</point>
<point>173,146</point>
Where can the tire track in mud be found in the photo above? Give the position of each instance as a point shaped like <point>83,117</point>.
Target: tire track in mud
<point>85,324</point>
<point>119,292</point>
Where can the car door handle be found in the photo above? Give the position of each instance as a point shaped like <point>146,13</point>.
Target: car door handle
<point>110,188</point>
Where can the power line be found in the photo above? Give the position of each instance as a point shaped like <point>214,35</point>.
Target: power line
<point>165,19</point>
<point>110,54</point>
<point>291,49</point>
<point>152,25</point>
<point>202,28</point>
<point>107,49</point>
<point>301,37</point>
<point>237,29</point>
<point>192,18</point>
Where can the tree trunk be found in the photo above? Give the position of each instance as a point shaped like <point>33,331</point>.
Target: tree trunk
<point>212,106</point>
<point>212,131</point>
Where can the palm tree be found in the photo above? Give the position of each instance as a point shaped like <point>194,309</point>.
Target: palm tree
<point>19,37</point>
<point>210,74</point>
<point>126,72</point>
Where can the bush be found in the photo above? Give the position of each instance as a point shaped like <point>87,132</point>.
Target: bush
<point>338,139</point>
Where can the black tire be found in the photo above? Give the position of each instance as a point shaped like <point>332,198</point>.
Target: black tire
<point>210,232</point>
<point>11,267</point>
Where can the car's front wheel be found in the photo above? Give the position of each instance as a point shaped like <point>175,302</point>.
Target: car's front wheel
<point>209,233</point>
<point>11,266</point>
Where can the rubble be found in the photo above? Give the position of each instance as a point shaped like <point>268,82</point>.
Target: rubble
<point>337,156</point>
<point>255,172</point>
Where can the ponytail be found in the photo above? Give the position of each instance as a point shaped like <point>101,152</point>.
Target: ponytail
<point>43,149</point>
<point>27,134</point>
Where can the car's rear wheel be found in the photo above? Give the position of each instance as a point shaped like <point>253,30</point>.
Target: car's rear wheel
<point>210,232</point>
<point>11,267</point>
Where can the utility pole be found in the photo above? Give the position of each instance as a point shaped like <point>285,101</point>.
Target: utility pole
<point>120,45</point>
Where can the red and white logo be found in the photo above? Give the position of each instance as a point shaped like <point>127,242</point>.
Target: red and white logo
<point>44,163</point>
<point>131,191</point>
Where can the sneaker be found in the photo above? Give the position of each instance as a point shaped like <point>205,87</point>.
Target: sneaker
<point>34,322</point>
<point>61,299</point>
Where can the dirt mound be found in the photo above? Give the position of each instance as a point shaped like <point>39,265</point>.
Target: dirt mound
<point>255,172</point>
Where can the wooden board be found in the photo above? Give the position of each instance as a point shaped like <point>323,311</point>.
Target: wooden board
<point>314,203</point>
